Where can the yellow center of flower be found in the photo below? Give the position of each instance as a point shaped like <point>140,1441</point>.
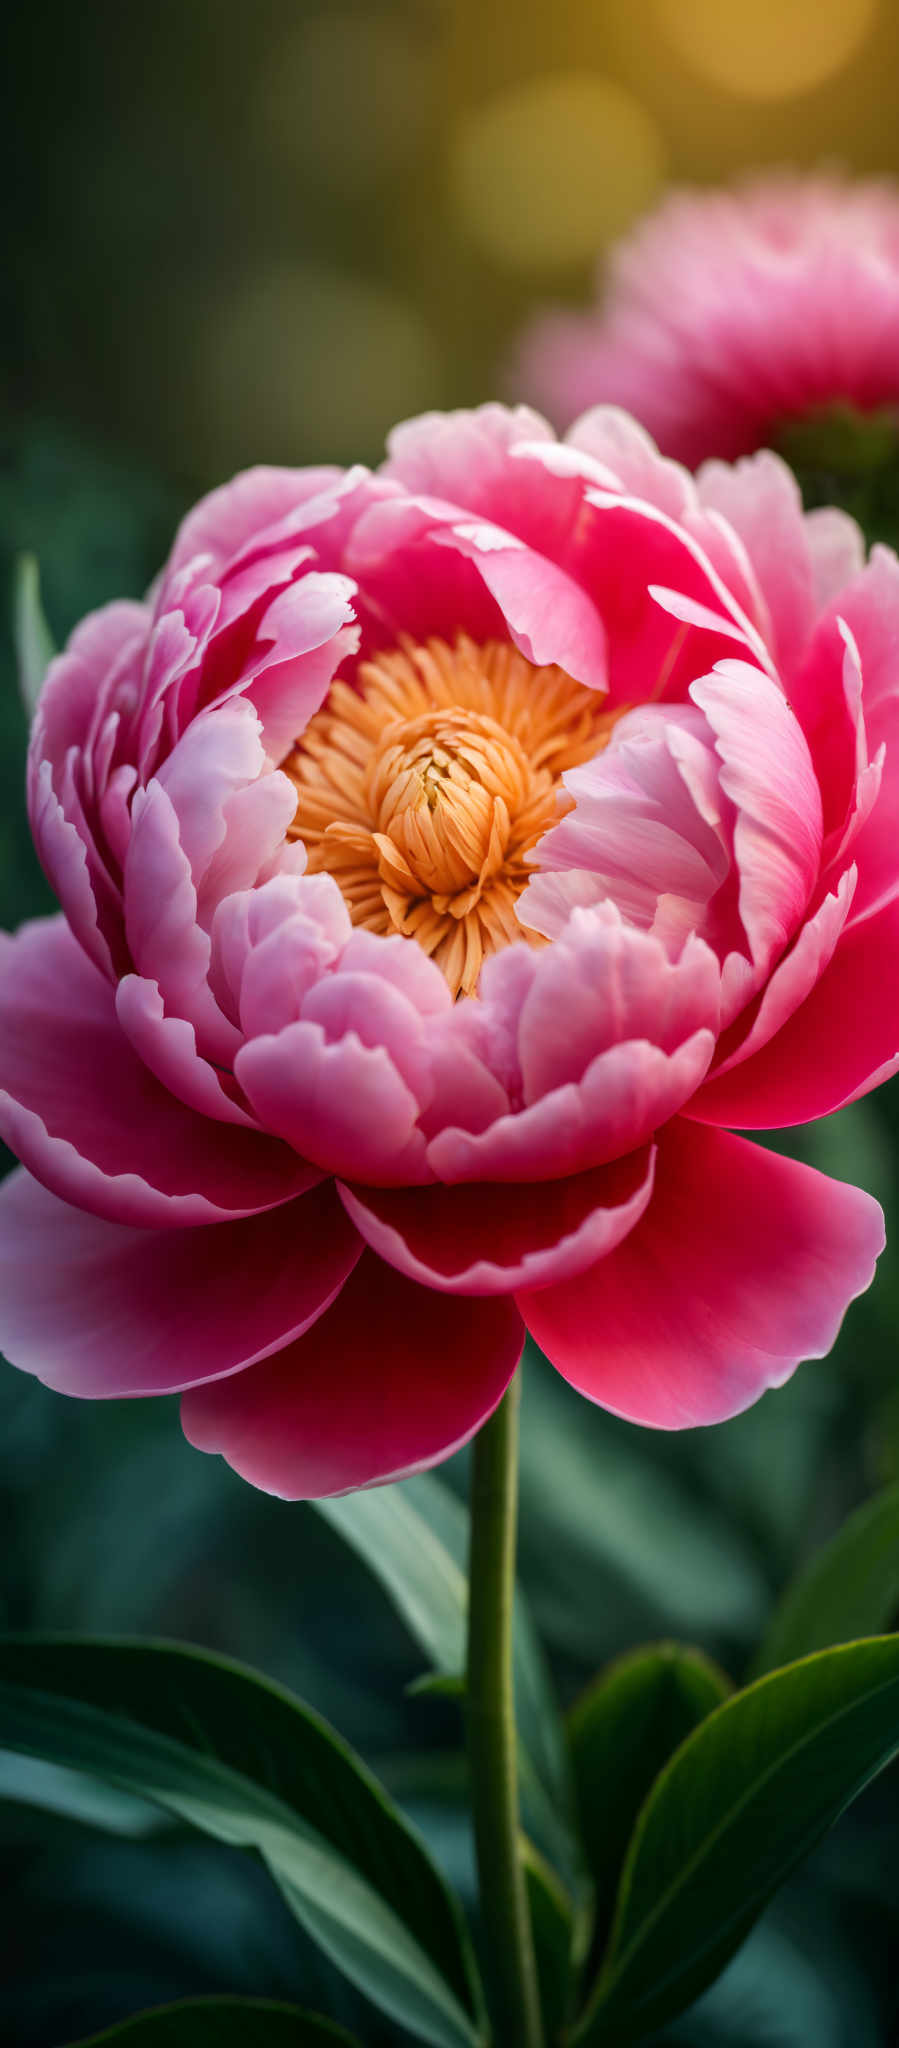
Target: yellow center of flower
<point>423,786</point>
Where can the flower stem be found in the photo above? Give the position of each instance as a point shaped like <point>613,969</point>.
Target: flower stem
<point>491,1730</point>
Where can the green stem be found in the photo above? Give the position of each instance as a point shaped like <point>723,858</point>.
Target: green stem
<point>491,1730</point>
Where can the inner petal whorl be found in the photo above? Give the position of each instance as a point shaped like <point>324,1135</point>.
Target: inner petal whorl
<point>423,786</point>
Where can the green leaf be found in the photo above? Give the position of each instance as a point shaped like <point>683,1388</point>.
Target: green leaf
<point>739,1805</point>
<point>556,1930</point>
<point>241,1759</point>
<point>636,1713</point>
<point>31,1781</point>
<point>849,1588</point>
<point>31,633</point>
<point>414,1537</point>
<point>222,2023</point>
<point>615,1548</point>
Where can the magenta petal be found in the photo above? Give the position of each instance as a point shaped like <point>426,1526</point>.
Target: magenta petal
<point>485,1239</point>
<point>393,1379</point>
<point>97,1309</point>
<point>744,1264</point>
<point>89,1120</point>
<point>839,1044</point>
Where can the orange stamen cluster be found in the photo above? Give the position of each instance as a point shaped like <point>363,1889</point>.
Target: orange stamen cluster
<point>423,786</point>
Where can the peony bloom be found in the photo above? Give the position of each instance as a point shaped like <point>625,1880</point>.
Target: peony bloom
<point>447,857</point>
<point>732,314</point>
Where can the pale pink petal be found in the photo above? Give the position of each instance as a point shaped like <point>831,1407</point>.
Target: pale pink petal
<point>482,1239</point>
<point>307,631</point>
<point>63,855</point>
<point>743,1264</point>
<point>760,499</point>
<point>625,1094</point>
<point>836,548</point>
<point>238,512</point>
<point>343,1105</point>
<point>767,772</point>
<point>271,944</point>
<point>168,1046</point>
<point>393,1379</point>
<point>90,1121</point>
<point>617,440</point>
<point>98,1309</point>
<point>612,985</point>
<point>839,1044</point>
<point>166,940</point>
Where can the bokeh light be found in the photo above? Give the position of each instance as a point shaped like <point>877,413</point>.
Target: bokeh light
<point>543,173</point>
<point>770,49</point>
<point>303,363</point>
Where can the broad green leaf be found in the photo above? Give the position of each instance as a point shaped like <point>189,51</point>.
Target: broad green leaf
<point>802,1979</point>
<point>555,1929</point>
<point>222,2023</point>
<point>621,1732</point>
<point>616,1549</point>
<point>742,1801</point>
<point>31,633</point>
<point>414,1537</point>
<point>849,1588</point>
<point>241,1759</point>
<point>31,1781</point>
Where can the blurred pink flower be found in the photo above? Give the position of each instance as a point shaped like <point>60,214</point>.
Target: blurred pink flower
<point>728,314</point>
<point>617,735</point>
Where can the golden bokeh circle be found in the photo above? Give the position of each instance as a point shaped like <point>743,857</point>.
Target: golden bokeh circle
<point>542,174</point>
<point>767,49</point>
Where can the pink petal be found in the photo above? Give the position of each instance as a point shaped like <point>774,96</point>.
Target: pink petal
<point>392,1380</point>
<point>90,1121</point>
<point>639,1032</point>
<point>625,1094</point>
<point>760,499</point>
<point>547,613</point>
<point>614,438</point>
<point>744,1264</point>
<point>97,1309</point>
<point>167,942</point>
<point>839,1044</point>
<point>481,1239</point>
<point>168,1046</point>
<point>242,511</point>
<point>767,772</point>
<point>342,1105</point>
<point>793,979</point>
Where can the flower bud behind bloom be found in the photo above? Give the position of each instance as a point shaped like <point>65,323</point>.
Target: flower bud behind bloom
<point>447,856</point>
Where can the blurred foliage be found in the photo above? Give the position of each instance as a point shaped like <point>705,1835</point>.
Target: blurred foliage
<point>247,234</point>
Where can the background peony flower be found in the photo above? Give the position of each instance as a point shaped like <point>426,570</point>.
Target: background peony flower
<point>446,857</point>
<point>729,315</point>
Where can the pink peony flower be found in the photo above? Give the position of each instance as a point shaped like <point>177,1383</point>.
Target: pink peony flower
<point>730,314</point>
<point>446,858</point>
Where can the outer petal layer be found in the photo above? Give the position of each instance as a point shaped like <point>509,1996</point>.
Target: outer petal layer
<point>97,1309</point>
<point>482,1239</point>
<point>839,1044</point>
<point>417,1376</point>
<point>744,1264</point>
<point>90,1121</point>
